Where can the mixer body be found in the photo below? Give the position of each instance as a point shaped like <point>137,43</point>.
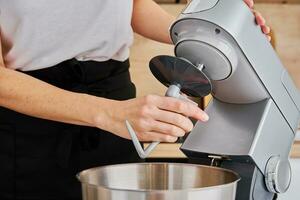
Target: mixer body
<point>255,109</point>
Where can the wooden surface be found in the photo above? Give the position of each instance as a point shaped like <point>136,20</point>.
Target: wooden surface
<point>295,153</point>
<point>173,151</point>
<point>165,150</point>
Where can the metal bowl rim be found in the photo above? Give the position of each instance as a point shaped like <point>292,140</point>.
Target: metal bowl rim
<point>238,178</point>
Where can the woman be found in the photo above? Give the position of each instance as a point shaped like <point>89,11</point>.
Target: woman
<point>66,92</point>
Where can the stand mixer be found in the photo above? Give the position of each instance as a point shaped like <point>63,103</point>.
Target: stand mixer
<point>254,114</point>
<point>255,109</point>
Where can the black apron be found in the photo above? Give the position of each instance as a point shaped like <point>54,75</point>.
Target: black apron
<point>39,159</point>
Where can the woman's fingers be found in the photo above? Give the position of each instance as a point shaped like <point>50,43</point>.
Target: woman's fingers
<point>168,129</point>
<point>184,123</point>
<point>260,20</point>
<point>157,118</point>
<point>183,107</point>
<point>266,29</point>
<point>250,3</point>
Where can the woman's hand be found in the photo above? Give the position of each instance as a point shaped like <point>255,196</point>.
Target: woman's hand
<point>259,19</point>
<point>154,118</point>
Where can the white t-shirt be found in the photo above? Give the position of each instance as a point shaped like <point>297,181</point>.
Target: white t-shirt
<point>36,34</point>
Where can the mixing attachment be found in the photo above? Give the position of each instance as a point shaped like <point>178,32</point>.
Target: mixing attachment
<point>179,75</point>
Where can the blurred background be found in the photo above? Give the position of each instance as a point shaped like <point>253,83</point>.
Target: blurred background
<point>283,16</point>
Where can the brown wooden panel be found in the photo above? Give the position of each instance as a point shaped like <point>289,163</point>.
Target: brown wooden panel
<point>165,150</point>
<point>295,153</point>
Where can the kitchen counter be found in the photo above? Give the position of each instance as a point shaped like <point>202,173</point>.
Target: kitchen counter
<point>172,151</point>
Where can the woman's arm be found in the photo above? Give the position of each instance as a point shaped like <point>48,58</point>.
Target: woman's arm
<point>33,97</point>
<point>151,21</point>
<point>155,118</point>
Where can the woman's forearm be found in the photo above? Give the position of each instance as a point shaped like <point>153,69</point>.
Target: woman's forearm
<point>30,96</point>
<point>151,21</point>
<point>154,118</point>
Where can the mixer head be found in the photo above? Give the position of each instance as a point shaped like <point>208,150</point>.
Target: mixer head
<point>190,79</point>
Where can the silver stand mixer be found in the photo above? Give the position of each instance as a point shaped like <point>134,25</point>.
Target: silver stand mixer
<point>255,109</point>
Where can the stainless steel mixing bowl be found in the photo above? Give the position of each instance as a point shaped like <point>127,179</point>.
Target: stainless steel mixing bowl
<point>158,181</point>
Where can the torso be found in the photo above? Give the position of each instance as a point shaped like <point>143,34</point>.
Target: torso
<point>37,34</point>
